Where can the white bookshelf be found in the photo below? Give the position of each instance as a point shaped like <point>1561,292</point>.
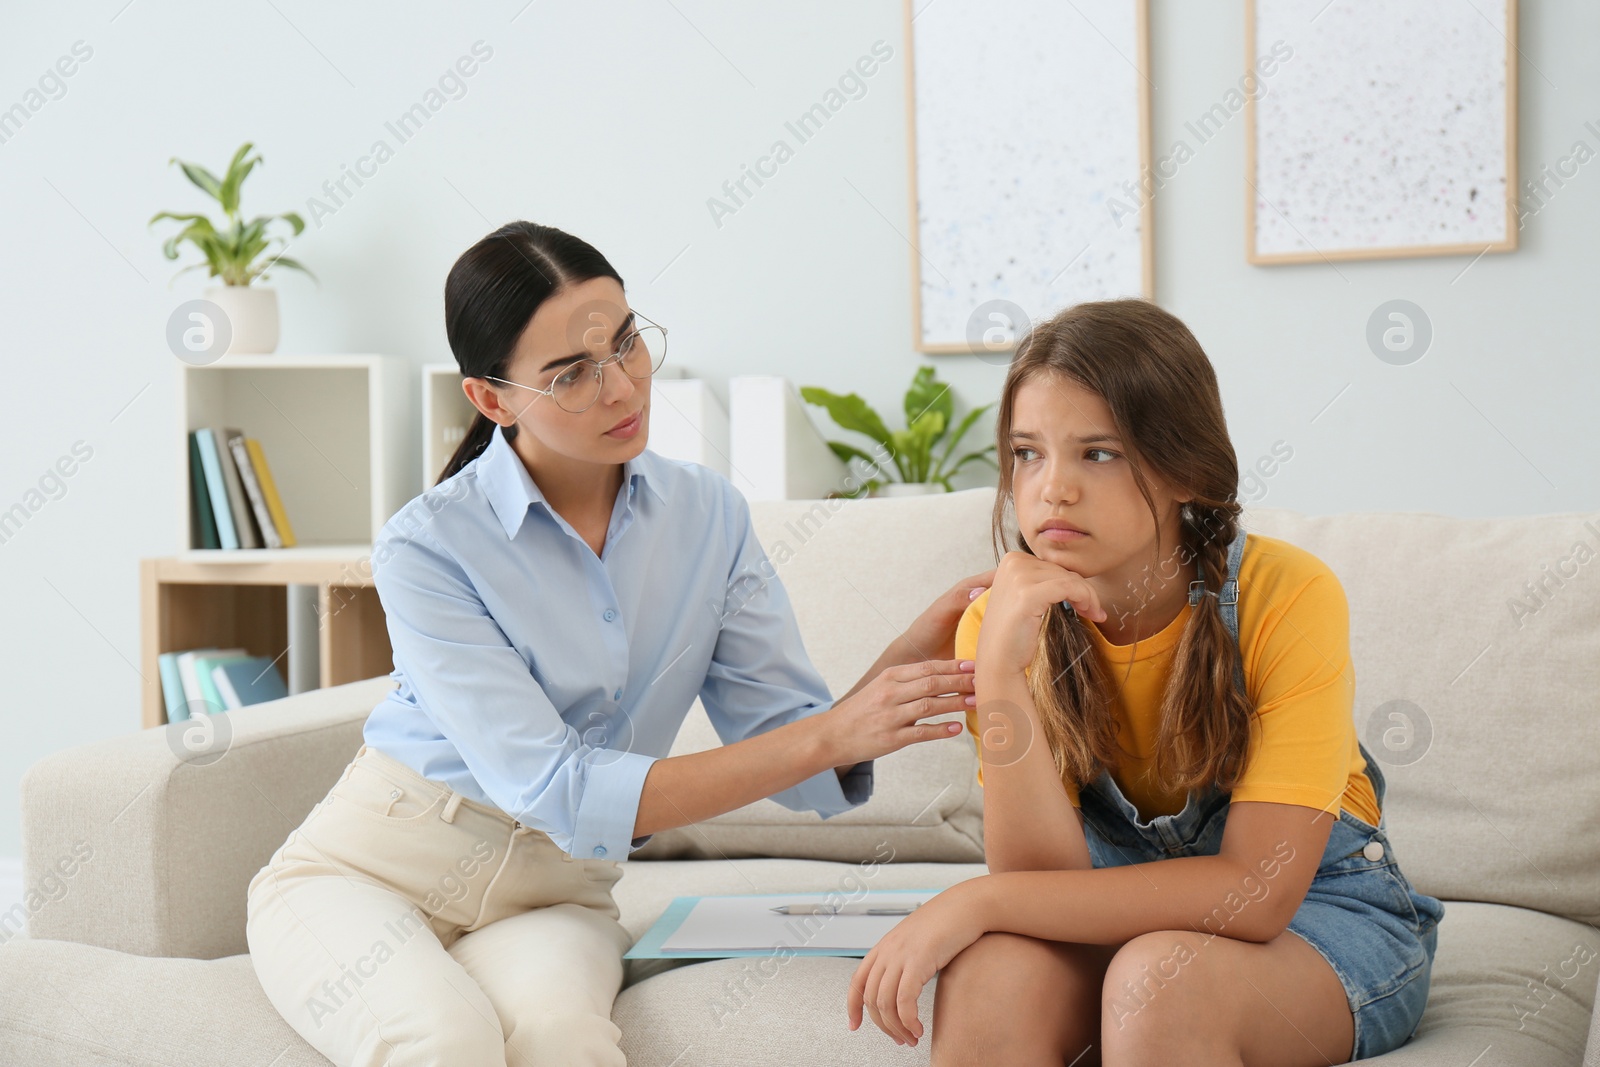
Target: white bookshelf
<point>446,414</point>
<point>333,431</point>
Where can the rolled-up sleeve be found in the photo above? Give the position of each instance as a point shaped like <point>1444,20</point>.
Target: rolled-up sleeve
<point>760,676</point>
<point>478,691</point>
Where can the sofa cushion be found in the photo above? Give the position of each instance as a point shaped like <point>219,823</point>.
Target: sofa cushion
<point>1479,698</point>
<point>859,572</point>
<point>793,1009</point>
<point>72,1005</point>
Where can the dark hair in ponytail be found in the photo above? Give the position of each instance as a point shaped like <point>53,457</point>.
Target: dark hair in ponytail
<point>1162,392</point>
<point>490,296</point>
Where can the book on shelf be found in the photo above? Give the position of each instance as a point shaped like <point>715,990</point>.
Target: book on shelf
<point>252,490</point>
<point>234,501</point>
<point>252,680</point>
<point>213,680</point>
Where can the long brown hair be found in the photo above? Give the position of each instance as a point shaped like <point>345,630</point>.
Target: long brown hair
<point>1163,396</point>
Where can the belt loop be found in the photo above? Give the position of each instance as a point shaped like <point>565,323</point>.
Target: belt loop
<point>450,806</point>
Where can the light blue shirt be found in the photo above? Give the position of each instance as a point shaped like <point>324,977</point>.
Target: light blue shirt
<point>543,680</point>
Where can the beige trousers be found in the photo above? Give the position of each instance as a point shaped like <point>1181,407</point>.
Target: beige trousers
<point>402,924</point>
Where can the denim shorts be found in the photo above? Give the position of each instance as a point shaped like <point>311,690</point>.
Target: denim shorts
<point>1361,913</point>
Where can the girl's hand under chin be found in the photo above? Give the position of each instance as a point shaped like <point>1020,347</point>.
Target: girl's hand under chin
<point>1025,587</point>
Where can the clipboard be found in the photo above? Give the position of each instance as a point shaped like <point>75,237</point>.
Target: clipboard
<point>722,927</point>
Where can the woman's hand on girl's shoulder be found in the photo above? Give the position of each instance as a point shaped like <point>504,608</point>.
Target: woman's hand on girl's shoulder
<point>885,715</point>
<point>1024,588</point>
<point>932,635</point>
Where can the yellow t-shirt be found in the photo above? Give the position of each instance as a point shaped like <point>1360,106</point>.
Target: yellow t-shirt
<point>1294,634</point>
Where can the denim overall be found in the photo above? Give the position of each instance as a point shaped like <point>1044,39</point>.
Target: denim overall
<point>1361,913</point>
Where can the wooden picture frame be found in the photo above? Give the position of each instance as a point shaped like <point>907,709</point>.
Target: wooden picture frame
<point>1281,211</point>
<point>1110,262</point>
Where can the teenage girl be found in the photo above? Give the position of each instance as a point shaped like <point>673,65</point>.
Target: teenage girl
<point>555,605</point>
<point>1185,837</point>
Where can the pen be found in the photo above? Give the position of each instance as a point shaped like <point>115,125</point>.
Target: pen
<point>842,909</point>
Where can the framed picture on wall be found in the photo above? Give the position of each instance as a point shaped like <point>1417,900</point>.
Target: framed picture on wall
<point>1387,128</point>
<point>1029,135</point>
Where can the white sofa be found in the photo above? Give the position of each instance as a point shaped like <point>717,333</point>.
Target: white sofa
<point>135,953</point>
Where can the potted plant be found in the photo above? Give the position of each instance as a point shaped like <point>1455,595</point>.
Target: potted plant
<point>235,252</point>
<point>930,411</point>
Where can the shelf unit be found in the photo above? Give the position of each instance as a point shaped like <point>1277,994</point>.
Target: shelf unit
<point>332,429</point>
<point>198,599</point>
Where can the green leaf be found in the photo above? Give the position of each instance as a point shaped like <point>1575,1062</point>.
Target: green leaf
<point>158,216</point>
<point>849,411</point>
<point>285,261</point>
<point>961,431</point>
<point>921,434</point>
<point>200,176</point>
<point>238,170</point>
<point>970,456</point>
<point>196,231</point>
<point>849,452</point>
<point>927,393</point>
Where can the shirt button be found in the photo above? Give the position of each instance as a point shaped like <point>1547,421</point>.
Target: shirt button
<point>1373,851</point>
<point>617,695</point>
<point>610,614</point>
<point>599,850</point>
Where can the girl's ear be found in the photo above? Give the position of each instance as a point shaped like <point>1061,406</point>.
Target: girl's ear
<point>483,397</point>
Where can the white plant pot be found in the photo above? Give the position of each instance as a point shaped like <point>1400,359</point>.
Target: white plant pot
<point>252,315</point>
<point>908,489</point>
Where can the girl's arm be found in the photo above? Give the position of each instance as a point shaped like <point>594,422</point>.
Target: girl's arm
<point>1028,822</point>
<point>1248,891</point>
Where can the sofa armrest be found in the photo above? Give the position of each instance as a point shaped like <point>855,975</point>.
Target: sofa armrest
<point>144,845</point>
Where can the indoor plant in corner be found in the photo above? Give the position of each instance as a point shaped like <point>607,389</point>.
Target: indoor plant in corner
<point>930,410</point>
<point>235,252</point>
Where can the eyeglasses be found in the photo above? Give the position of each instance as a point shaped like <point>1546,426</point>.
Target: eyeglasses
<point>576,388</point>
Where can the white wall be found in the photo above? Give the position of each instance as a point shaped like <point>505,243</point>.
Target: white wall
<point>618,123</point>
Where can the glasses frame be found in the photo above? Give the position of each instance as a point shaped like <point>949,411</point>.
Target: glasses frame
<point>599,366</point>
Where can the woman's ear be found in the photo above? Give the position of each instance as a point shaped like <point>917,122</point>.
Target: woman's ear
<point>483,397</point>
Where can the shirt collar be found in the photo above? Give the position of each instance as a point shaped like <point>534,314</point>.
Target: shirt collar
<point>511,490</point>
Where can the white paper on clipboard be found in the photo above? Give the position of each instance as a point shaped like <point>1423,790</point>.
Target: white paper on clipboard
<point>747,923</point>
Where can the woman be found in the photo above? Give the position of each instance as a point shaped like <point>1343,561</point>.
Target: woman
<point>1185,837</point>
<point>555,604</point>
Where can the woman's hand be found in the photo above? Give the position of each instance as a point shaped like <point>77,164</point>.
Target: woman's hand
<point>890,978</point>
<point>933,635</point>
<point>1025,587</point>
<point>881,717</point>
